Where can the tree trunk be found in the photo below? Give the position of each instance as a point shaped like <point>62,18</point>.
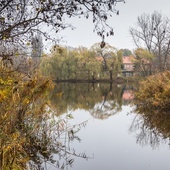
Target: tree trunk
<point>111,74</point>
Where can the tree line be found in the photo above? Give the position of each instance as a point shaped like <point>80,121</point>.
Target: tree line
<point>82,63</point>
<point>151,37</point>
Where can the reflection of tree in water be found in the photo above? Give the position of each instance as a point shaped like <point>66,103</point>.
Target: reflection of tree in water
<point>48,136</point>
<point>109,104</point>
<point>112,100</point>
<point>102,100</point>
<point>104,110</point>
<point>152,126</point>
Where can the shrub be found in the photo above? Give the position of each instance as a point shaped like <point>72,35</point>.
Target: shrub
<point>154,91</point>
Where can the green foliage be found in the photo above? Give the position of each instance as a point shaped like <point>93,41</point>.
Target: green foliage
<point>118,61</point>
<point>82,63</point>
<point>154,92</point>
<point>69,64</point>
<point>126,52</point>
<point>143,61</point>
<point>143,55</point>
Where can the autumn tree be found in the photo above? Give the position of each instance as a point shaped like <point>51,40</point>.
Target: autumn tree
<point>118,61</point>
<point>105,52</point>
<point>143,61</point>
<point>111,58</point>
<point>152,32</point>
<point>69,63</point>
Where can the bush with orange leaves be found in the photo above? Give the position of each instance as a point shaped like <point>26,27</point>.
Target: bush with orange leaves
<point>154,92</point>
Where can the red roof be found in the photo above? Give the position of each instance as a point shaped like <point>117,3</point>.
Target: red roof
<point>128,95</point>
<point>127,60</point>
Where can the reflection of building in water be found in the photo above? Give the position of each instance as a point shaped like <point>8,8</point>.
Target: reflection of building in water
<point>127,96</point>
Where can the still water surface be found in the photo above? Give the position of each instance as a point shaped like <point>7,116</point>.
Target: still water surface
<point>114,136</point>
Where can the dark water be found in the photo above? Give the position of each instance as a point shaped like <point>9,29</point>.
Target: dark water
<point>113,136</point>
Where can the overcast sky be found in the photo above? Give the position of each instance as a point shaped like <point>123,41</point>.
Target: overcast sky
<point>83,35</point>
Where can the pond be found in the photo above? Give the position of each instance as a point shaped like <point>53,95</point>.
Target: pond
<point>110,135</point>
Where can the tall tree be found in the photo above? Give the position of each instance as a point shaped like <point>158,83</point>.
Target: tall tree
<point>143,60</point>
<point>104,52</point>
<point>112,58</point>
<point>152,32</point>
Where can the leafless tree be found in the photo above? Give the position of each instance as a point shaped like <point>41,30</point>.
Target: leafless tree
<point>152,32</point>
<point>19,19</point>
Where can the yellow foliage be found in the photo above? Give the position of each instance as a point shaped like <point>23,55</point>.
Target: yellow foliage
<point>16,97</point>
<point>154,92</point>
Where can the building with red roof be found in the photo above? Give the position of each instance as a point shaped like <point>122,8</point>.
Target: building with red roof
<point>127,66</point>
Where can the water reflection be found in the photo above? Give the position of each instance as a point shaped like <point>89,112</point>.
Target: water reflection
<point>128,96</point>
<point>45,139</point>
<point>48,137</point>
<point>102,100</point>
<point>152,126</point>
<point>108,104</point>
